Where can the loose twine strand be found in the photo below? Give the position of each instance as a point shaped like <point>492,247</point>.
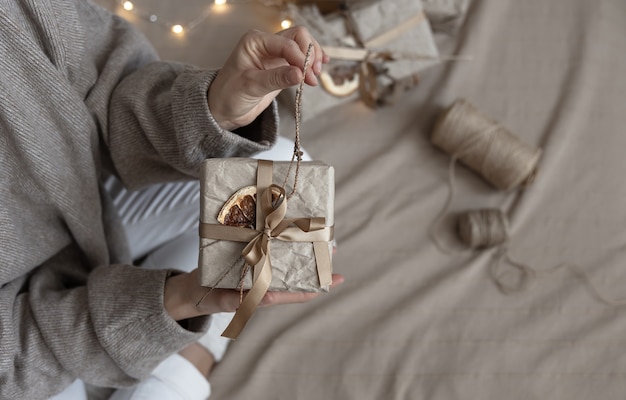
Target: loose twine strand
<point>503,160</point>
<point>295,158</point>
<point>221,278</point>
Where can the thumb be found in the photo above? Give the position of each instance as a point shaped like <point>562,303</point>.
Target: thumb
<point>264,82</point>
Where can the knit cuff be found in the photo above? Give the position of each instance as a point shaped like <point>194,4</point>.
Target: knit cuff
<point>130,320</point>
<point>190,98</point>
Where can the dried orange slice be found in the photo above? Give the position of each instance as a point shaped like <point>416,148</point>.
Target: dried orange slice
<point>240,208</point>
<point>340,80</point>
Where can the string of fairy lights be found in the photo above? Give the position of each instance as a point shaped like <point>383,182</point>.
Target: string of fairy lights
<point>180,27</point>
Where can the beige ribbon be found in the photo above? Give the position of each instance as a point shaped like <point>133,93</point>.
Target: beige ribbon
<point>270,225</point>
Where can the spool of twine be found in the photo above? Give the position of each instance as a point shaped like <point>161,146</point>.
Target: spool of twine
<point>489,227</point>
<point>485,146</point>
<point>483,228</point>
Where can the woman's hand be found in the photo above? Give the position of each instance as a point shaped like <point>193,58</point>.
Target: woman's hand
<point>259,67</point>
<point>182,293</point>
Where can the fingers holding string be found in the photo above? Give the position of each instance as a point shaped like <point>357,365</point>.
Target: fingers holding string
<point>286,54</point>
<point>289,47</point>
<point>303,38</point>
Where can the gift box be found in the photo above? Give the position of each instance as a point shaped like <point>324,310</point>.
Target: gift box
<point>377,49</point>
<point>399,28</point>
<point>299,255</point>
<point>445,15</point>
<point>258,235</point>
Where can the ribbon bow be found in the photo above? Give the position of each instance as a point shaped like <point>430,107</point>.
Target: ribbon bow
<point>270,225</point>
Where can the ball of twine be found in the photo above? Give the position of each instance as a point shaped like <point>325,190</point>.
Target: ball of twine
<point>485,146</point>
<point>483,228</point>
<point>489,227</point>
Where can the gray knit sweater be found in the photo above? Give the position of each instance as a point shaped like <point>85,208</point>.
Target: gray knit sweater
<point>82,93</point>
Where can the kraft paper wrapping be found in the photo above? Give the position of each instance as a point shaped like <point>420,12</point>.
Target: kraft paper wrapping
<point>293,264</point>
<point>445,15</point>
<point>373,20</point>
<point>397,27</point>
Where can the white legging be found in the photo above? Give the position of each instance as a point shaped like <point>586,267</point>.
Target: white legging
<point>161,226</point>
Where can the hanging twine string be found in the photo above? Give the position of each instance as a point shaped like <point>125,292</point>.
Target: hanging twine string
<point>297,150</point>
<point>503,160</point>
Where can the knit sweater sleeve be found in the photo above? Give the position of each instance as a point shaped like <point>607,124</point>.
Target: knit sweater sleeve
<point>107,332</point>
<point>154,115</point>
